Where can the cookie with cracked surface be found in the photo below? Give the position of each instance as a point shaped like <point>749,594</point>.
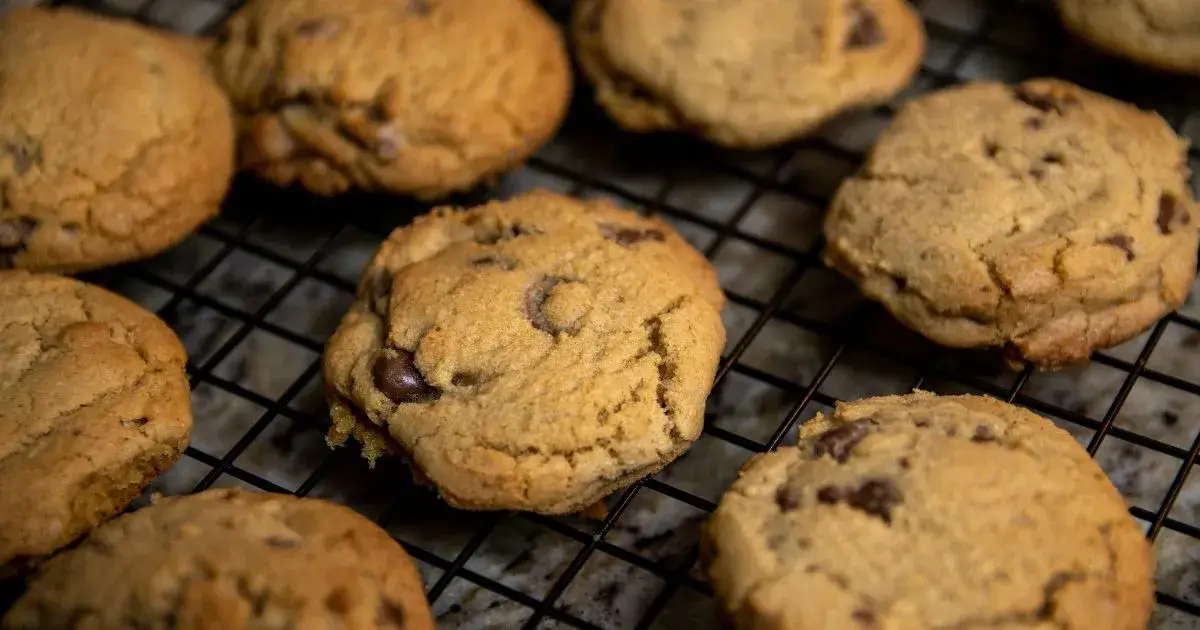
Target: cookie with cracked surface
<point>226,559</point>
<point>115,142</point>
<point>1041,218</point>
<point>533,354</point>
<point>96,404</point>
<point>925,511</point>
<point>744,74</point>
<point>1160,33</point>
<point>366,94</point>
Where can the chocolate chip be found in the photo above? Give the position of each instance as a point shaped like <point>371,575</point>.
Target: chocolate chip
<point>904,463</point>
<point>626,236</point>
<point>865,30</point>
<point>1123,242</point>
<point>787,497</point>
<point>14,233</point>
<point>1053,158</point>
<point>864,617</point>
<point>506,233</point>
<point>876,497</point>
<point>494,260</point>
<point>1169,209</point>
<point>316,28</point>
<point>990,148</point>
<point>398,378</point>
<point>278,542</point>
<point>535,302</point>
<point>390,615</point>
<point>1035,123</point>
<point>921,424</point>
<point>983,434</point>
<point>1041,101</point>
<point>1170,418</point>
<point>25,153</point>
<point>465,379</point>
<point>837,443</point>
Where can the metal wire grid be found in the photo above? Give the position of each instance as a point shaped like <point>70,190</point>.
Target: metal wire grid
<point>252,203</point>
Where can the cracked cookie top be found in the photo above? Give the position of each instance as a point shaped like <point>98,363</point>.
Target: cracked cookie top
<point>921,511</point>
<point>1040,217</point>
<point>230,559</point>
<point>1161,33</point>
<point>531,354</point>
<point>115,143</point>
<point>744,74</point>
<point>95,405</point>
<point>423,97</point>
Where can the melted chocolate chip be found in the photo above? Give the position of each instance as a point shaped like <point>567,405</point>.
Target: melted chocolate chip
<point>625,236</point>
<point>506,233</point>
<point>865,30</point>
<point>1123,242</point>
<point>837,443</point>
<point>535,302</point>
<point>398,378</point>
<point>316,28</point>
<point>787,497</point>
<point>983,434</point>
<point>14,233</point>
<point>1041,101</point>
<point>494,260</point>
<point>25,153</point>
<point>1170,210</point>
<point>864,617</point>
<point>876,497</point>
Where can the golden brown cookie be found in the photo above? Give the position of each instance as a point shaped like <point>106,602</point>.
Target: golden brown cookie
<point>1041,218</point>
<point>1160,33</point>
<point>423,97</point>
<point>115,143</point>
<point>744,74</point>
<point>229,559</point>
<point>919,511</point>
<point>95,405</point>
<point>534,354</point>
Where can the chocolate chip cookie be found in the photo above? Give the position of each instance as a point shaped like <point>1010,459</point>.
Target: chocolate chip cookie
<point>422,97</point>
<point>534,354</point>
<point>95,405</point>
<point>1041,218</point>
<point>922,511</point>
<point>744,74</point>
<point>115,143</point>
<point>226,559</point>
<point>1160,33</point>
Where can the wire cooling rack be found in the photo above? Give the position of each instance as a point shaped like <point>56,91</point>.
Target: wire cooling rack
<point>255,294</point>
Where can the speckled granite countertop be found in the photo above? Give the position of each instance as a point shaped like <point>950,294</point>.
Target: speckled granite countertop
<point>256,294</point>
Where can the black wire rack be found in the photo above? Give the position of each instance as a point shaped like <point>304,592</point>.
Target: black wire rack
<point>255,294</point>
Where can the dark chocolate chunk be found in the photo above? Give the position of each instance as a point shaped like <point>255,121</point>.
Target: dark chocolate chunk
<point>865,29</point>
<point>14,233</point>
<point>25,153</point>
<point>494,260</point>
<point>535,302</point>
<point>787,497</point>
<point>1041,101</point>
<point>876,497</point>
<point>506,233</point>
<point>398,378</point>
<point>316,28</point>
<point>1170,210</point>
<point>983,434</point>
<point>1123,242</point>
<point>626,236</point>
<point>837,443</point>
<point>278,542</point>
